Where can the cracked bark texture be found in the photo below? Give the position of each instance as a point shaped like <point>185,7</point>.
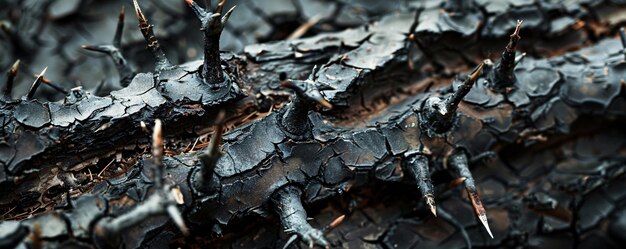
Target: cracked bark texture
<point>554,182</point>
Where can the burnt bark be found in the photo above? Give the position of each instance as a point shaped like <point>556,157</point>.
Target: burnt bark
<point>346,152</point>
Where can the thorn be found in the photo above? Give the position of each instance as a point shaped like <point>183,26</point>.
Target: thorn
<point>33,88</point>
<point>520,58</point>
<point>289,84</point>
<point>474,75</point>
<point>514,37</point>
<point>204,181</point>
<point>99,49</point>
<point>212,24</point>
<point>35,237</point>
<point>291,240</point>
<point>199,11</point>
<point>220,6</point>
<point>310,92</point>
<point>216,140</point>
<point>336,222</point>
<point>454,100</point>
<point>411,41</point>
<point>458,161</point>
<point>479,209</point>
<point>103,127</point>
<point>157,140</point>
<point>14,68</point>
<point>324,87</point>
<point>157,152</point>
<point>114,50</point>
<point>11,74</point>
<point>502,76</point>
<point>294,119</point>
<point>177,195</point>
<point>161,202</point>
<point>117,39</point>
<point>142,19</point>
<point>457,182</point>
<point>153,43</point>
<point>325,103</point>
<point>305,27</point>
<point>144,127</point>
<point>288,205</point>
<point>173,212</point>
<point>227,15</point>
<point>417,169</point>
<point>54,86</point>
<point>430,201</point>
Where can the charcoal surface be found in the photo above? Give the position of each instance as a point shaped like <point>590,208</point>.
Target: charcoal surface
<point>348,124</point>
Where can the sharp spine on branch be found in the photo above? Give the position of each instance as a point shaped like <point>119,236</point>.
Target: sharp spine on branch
<point>212,26</point>
<point>458,161</point>
<point>157,152</point>
<point>161,202</point>
<point>293,217</point>
<point>114,51</point>
<point>204,180</point>
<point>294,120</point>
<point>417,169</point>
<point>153,43</point>
<point>117,39</point>
<point>54,86</point>
<point>11,74</point>
<point>33,88</point>
<point>438,113</point>
<point>502,75</point>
